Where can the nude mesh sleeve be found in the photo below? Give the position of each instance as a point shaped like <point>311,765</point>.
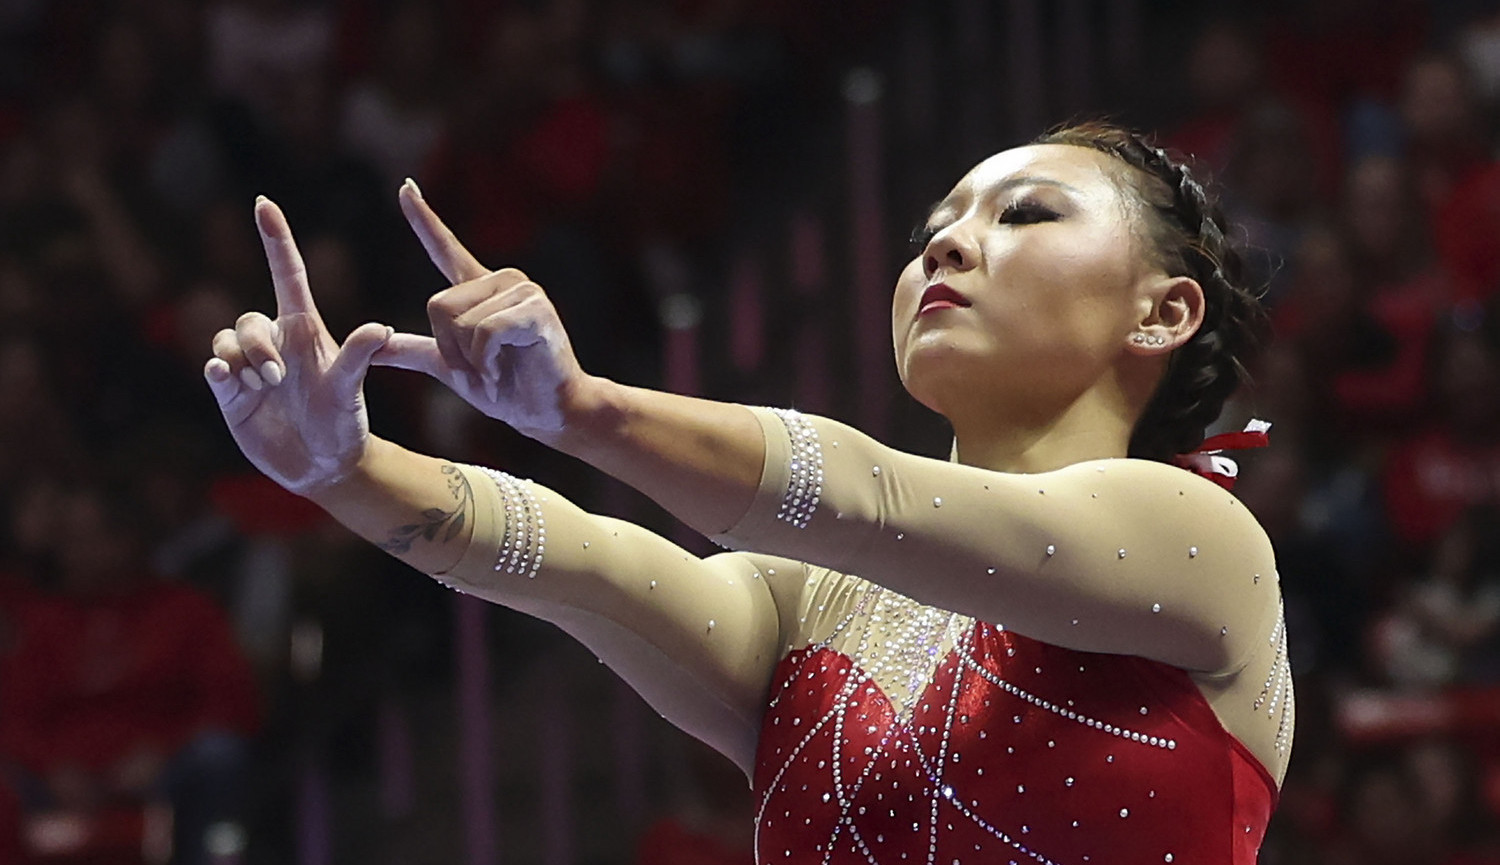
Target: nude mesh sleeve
<point>1124,556</point>
<point>698,638</point>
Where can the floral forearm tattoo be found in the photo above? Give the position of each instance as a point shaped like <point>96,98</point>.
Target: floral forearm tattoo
<point>436,525</point>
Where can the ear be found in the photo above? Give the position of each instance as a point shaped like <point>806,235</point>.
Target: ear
<point>1172,311</point>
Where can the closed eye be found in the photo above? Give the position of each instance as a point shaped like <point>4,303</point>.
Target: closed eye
<point>1026,213</point>
<point>1015,213</point>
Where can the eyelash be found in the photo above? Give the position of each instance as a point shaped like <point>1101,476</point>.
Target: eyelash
<point>1027,213</point>
<point>1015,213</point>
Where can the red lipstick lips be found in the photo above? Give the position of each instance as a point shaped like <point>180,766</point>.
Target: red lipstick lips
<point>940,296</point>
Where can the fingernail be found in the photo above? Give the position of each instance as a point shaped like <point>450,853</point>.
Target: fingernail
<point>271,373</point>
<point>251,379</point>
<point>389,332</point>
<point>261,199</point>
<point>414,187</point>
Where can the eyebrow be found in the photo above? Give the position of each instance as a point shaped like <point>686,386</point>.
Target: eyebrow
<point>1009,184</point>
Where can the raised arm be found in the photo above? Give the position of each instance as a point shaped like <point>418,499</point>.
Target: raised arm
<point>1122,556</point>
<point>699,638</point>
<point>1117,556</point>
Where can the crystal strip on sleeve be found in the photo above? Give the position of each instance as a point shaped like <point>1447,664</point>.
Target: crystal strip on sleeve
<point>525,539</point>
<point>805,487</point>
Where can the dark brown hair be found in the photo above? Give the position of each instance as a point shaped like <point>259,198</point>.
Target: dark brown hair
<point>1187,233</point>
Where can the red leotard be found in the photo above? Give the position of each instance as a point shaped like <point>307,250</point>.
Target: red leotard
<point>1017,751</point>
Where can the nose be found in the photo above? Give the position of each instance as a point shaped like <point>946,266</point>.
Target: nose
<point>951,248</point>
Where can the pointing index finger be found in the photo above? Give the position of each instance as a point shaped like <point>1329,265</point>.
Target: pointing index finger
<point>450,256</point>
<point>288,273</point>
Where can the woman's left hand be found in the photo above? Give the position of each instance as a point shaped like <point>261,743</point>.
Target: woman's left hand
<point>496,339</point>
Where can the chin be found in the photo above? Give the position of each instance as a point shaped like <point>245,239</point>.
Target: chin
<point>936,378</point>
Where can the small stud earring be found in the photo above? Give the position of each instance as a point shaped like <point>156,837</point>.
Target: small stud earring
<point>1138,338</point>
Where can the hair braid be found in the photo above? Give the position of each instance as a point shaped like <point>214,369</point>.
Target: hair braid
<point>1188,235</point>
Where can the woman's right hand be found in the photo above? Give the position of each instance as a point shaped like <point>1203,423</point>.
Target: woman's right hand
<point>497,340</point>
<point>293,397</point>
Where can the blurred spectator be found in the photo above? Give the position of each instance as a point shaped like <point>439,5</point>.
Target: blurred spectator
<point>1273,186</point>
<point>1390,241</point>
<point>530,143</point>
<point>1225,75</point>
<point>1445,629</point>
<point>1325,598</point>
<point>257,49</point>
<point>394,117</point>
<point>1365,341</point>
<point>1333,52</point>
<point>1414,802</point>
<point>34,428</point>
<point>1479,45</point>
<point>1456,176</point>
<point>33,513</point>
<point>125,688</point>
<point>1453,464</point>
<point>333,190</point>
<point>1384,817</point>
<point>1448,775</point>
<point>227,254</point>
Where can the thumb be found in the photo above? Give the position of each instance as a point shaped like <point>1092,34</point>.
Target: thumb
<point>347,371</point>
<point>413,352</point>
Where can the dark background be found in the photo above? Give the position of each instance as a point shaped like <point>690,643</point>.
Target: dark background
<point>717,195</point>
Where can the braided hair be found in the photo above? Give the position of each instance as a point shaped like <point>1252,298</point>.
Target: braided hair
<point>1186,232</point>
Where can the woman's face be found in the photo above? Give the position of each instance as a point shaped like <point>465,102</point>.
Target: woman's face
<point>1046,278</point>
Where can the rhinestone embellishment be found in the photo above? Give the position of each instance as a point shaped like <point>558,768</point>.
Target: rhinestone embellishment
<point>805,488</point>
<point>1277,692</point>
<point>525,539</point>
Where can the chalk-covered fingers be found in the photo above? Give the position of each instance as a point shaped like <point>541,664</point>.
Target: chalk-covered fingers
<point>450,256</point>
<point>258,339</point>
<point>531,323</point>
<point>346,374</point>
<point>222,380</point>
<point>288,271</point>
<point>245,359</point>
<point>500,346</point>
<point>454,313</point>
<point>250,352</point>
<point>523,316</point>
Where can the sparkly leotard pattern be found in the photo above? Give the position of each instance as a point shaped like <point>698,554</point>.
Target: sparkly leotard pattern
<point>1014,751</point>
<point>904,724</point>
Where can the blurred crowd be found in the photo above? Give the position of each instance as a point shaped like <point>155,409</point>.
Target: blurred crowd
<point>179,636</point>
<point>1358,154</point>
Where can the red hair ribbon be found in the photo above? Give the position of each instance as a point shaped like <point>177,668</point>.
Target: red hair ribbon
<point>1209,460</point>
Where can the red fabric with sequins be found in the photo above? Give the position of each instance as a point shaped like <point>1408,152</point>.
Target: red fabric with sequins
<point>1017,752</point>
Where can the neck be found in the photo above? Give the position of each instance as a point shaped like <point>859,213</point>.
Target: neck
<point>1096,425</point>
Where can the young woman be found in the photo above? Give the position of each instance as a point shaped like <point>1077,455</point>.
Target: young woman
<point>1055,648</point>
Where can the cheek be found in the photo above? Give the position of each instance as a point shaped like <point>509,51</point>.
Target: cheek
<point>909,286</point>
<point>1070,293</point>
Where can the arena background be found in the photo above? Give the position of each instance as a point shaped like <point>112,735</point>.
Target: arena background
<point>717,193</point>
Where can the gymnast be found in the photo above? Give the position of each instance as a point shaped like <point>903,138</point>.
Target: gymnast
<point>1059,646</point>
